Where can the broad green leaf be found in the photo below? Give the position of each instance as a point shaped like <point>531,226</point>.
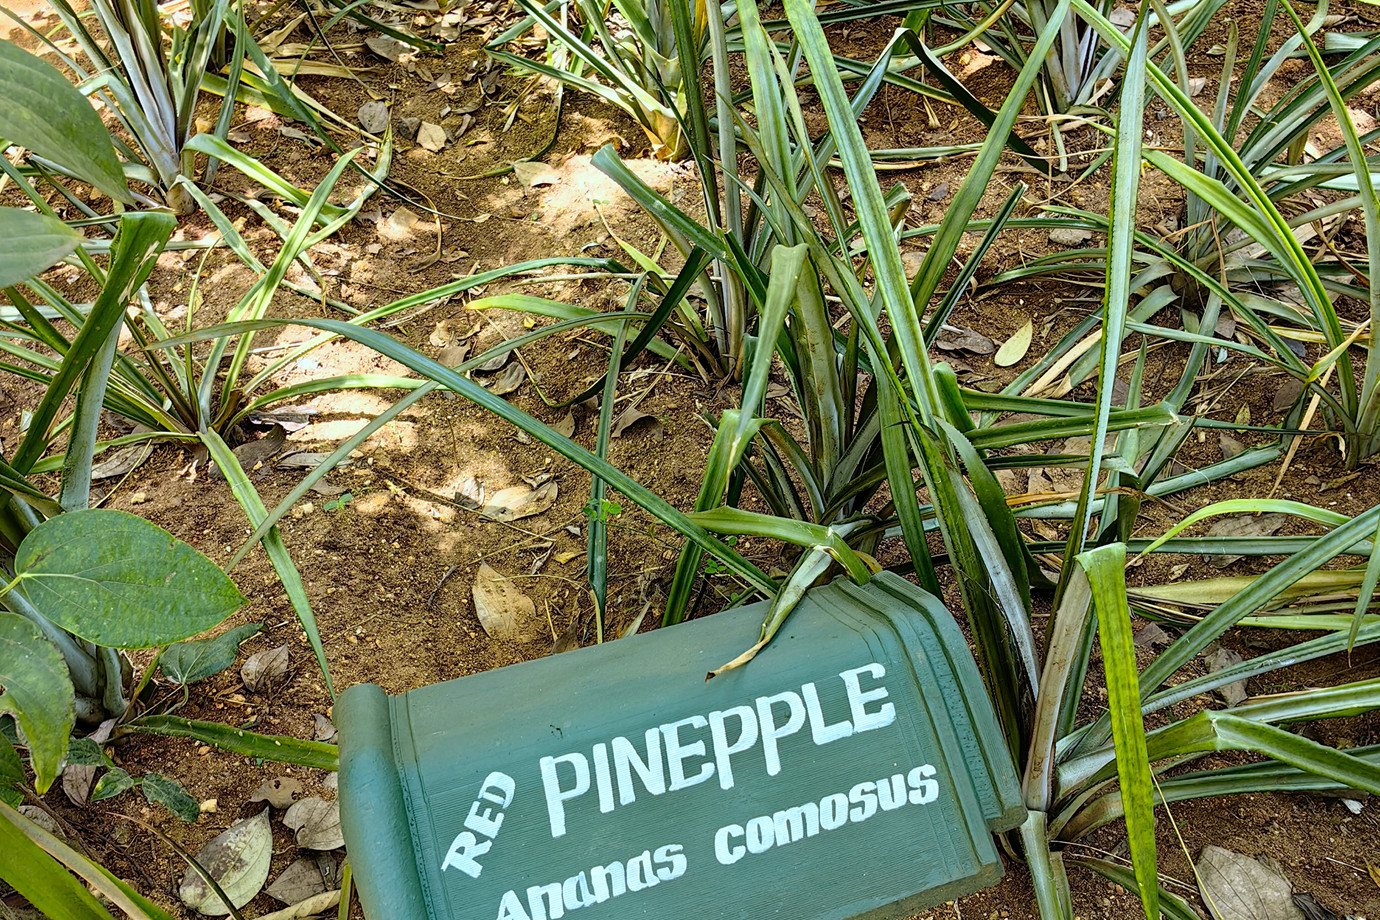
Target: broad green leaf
<point>38,692</point>
<point>111,784</point>
<point>117,580</point>
<point>41,110</point>
<point>11,773</point>
<point>159,789</point>
<point>83,752</point>
<point>31,243</point>
<point>188,662</point>
<point>37,877</point>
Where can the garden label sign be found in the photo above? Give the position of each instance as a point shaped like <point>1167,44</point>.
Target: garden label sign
<point>853,769</point>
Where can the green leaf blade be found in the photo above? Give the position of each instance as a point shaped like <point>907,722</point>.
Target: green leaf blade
<point>38,692</point>
<point>120,581</point>
<point>188,662</point>
<point>31,243</point>
<point>162,790</point>
<point>42,111</point>
<point>1105,567</point>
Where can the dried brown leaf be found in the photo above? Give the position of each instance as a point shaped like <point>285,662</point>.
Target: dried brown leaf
<point>278,792</point>
<point>317,823</point>
<point>238,859</point>
<point>501,608</point>
<point>265,668</point>
<point>517,502</point>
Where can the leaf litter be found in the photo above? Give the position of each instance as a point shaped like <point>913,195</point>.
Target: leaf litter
<point>317,823</point>
<point>502,609</point>
<point>278,792</point>
<point>238,859</point>
<point>264,669</point>
<point>517,502</point>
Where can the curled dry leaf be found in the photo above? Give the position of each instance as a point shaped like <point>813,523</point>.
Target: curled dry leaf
<point>278,792</point>
<point>317,823</point>
<point>508,380</point>
<point>518,502</point>
<point>265,668</point>
<point>450,331</point>
<point>324,729</point>
<point>630,417</point>
<point>1014,348</point>
<point>78,779</point>
<point>494,363</point>
<point>238,860</point>
<point>386,47</point>
<point>502,609</point>
<point>297,882</point>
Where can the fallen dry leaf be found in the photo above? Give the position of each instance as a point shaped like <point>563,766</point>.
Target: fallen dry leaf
<point>238,859</point>
<point>1237,887</point>
<point>77,779</point>
<point>501,608</point>
<point>278,792</point>
<point>1218,658</point>
<point>534,175</point>
<point>387,47</point>
<point>400,225</point>
<point>1069,236</point>
<point>1014,348</point>
<point>1242,525</point>
<point>955,338</point>
<point>324,729</point>
<point>517,502</point>
<point>630,417</point>
<point>317,823</point>
<point>265,668</point>
<point>297,882</point>
<point>507,380</point>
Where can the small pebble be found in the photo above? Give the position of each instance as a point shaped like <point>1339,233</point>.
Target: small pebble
<point>138,498</point>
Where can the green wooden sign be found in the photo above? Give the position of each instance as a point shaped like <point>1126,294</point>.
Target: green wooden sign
<point>853,769</point>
